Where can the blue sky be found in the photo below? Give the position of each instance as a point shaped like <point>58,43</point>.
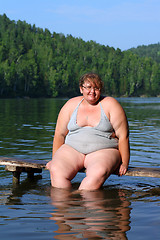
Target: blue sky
<point>117,23</point>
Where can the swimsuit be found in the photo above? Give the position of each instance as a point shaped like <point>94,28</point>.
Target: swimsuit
<point>90,139</point>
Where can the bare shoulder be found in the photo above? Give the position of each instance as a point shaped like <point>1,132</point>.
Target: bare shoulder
<point>109,100</point>
<point>65,113</point>
<point>70,105</point>
<point>109,103</point>
<point>114,111</point>
<point>72,102</point>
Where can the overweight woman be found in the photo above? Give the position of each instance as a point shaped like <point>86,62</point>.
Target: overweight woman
<point>92,133</point>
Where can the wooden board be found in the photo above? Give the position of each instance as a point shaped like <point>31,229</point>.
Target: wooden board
<point>22,162</point>
<point>17,165</point>
<point>143,172</point>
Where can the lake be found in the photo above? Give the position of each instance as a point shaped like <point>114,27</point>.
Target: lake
<point>125,208</point>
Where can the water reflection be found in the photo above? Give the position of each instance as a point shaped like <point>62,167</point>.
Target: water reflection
<point>18,191</point>
<point>26,131</point>
<point>101,214</point>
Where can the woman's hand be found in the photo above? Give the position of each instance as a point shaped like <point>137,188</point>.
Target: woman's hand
<point>123,169</point>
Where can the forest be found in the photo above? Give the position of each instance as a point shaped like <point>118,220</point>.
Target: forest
<point>37,63</point>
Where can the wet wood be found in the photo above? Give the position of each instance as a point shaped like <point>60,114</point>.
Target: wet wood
<point>30,166</point>
<point>22,162</point>
<point>143,172</point>
<point>17,166</point>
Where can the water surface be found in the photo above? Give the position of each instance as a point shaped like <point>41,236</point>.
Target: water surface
<point>125,208</point>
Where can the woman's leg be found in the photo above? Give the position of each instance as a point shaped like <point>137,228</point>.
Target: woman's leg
<point>64,166</point>
<point>99,165</point>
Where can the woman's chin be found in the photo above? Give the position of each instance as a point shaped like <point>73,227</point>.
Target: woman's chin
<point>92,100</point>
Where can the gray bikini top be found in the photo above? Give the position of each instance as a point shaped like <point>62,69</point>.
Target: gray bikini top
<point>89,139</point>
<point>104,125</point>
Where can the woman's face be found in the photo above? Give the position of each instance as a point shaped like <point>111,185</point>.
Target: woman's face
<point>90,91</point>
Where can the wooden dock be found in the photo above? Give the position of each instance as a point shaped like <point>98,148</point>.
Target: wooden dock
<point>17,166</point>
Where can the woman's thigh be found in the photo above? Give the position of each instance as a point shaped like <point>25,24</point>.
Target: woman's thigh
<point>104,161</point>
<point>67,161</point>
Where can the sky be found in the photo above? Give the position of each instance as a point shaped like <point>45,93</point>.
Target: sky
<point>115,23</point>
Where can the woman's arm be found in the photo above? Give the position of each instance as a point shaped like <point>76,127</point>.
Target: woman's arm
<point>119,122</point>
<point>124,150</point>
<point>61,128</point>
<point>62,122</point>
<point>59,137</point>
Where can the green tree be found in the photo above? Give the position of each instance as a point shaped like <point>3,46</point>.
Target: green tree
<point>155,79</point>
<point>36,63</point>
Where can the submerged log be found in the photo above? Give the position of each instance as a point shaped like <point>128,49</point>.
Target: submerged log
<point>17,166</point>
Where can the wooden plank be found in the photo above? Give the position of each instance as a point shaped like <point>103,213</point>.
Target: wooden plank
<point>143,172</point>
<point>22,162</point>
<point>16,164</point>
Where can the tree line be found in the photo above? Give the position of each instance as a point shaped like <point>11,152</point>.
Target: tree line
<point>152,50</point>
<point>37,63</point>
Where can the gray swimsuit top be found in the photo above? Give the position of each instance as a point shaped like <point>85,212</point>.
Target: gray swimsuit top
<point>90,139</point>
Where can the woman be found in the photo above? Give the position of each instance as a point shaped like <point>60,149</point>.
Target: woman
<point>92,133</point>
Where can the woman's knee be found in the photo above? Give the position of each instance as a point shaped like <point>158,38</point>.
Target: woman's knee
<point>98,171</point>
<point>56,169</point>
<point>91,182</point>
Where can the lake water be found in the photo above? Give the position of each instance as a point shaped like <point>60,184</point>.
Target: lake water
<point>125,208</point>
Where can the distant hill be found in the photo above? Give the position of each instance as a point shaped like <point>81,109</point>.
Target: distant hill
<point>152,50</point>
<point>37,63</point>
